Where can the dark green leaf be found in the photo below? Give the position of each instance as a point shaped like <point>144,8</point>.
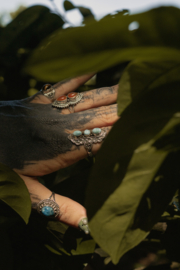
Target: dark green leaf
<point>142,76</point>
<point>27,29</point>
<point>17,40</point>
<point>72,181</point>
<point>171,239</point>
<point>105,43</point>
<point>68,5</point>
<point>14,193</point>
<point>144,136</point>
<point>84,247</point>
<point>86,12</point>
<point>6,251</point>
<point>67,240</point>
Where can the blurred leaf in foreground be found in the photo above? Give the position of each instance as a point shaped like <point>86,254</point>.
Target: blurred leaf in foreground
<point>14,193</point>
<point>102,44</point>
<point>145,135</point>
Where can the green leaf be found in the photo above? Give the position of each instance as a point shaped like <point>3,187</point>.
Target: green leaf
<point>143,138</point>
<point>86,12</point>
<point>14,193</point>
<point>84,246</point>
<point>72,181</point>
<point>6,251</point>
<point>68,5</point>
<point>102,44</point>
<point>17,40</point>
<point>27,29</point>
<point>67,240</point>
<point>142,76</point>
<point>53,250</point>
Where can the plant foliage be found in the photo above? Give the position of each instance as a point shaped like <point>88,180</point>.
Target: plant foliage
<point>14,192</point>
<point>136,171</point>
<point>105,43</point>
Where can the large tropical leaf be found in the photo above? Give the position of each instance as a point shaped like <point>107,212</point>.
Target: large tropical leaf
<point>144,136</point>
<point>17,40</point>
<point>14,193</point>
<point>140,77</point>
<point>102,44</point>
<point>27,29</point>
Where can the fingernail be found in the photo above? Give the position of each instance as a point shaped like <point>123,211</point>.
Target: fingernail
<point>85,221</point>
<point>83,225</point>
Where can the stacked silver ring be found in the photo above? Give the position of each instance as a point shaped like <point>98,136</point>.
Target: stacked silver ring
<point>64,101</point>
<point>68,101</point>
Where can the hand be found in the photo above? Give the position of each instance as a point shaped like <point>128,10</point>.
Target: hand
<point>33,138</point>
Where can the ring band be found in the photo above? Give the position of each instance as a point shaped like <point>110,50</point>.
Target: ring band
<point>48,91</point>
<point>68,101</point>
<point>49,207</point>
<point>87,138</point>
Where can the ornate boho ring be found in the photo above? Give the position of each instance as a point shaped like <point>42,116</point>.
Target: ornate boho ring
<point>87,138</point>
<point>48,91</point>
<point>68,101</point>
<point>49,207</point>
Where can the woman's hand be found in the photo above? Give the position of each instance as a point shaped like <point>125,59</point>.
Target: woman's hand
<point>34,135</point>
<point>71,212</point>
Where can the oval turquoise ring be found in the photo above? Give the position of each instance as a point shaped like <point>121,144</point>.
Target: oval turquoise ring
<point>49,207</point>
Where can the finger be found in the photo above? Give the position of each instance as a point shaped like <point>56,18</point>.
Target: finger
<point>79,152</point>
<point>75,153</point>
<point>96,98</point>
<point>64,87</point>
<point>61,88</point>
<point>71,212</point>
<point>98,117</point>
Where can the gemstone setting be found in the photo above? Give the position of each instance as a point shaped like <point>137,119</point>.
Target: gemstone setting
<point>88,140</point>
<point>72,95</point>
<point>77,133</point>
<point>87,132</point>
<point>48,208</point>
<point>47,211</point>
<point>46,87</point>
<point>96,131</point>
<point>62,99</point>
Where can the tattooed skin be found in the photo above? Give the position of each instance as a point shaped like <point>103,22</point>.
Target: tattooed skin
<point>34,200</point>
<point>33,132</point>
<point>102,92</point>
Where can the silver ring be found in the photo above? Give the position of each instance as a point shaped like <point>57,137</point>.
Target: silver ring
<point>49,207</point>
<point>68,101</point>
<point>87,138</point>
<point>48,91</point>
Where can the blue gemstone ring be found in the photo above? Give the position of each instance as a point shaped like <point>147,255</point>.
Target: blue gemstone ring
<point>88,138</point>
<point>49,207</point>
